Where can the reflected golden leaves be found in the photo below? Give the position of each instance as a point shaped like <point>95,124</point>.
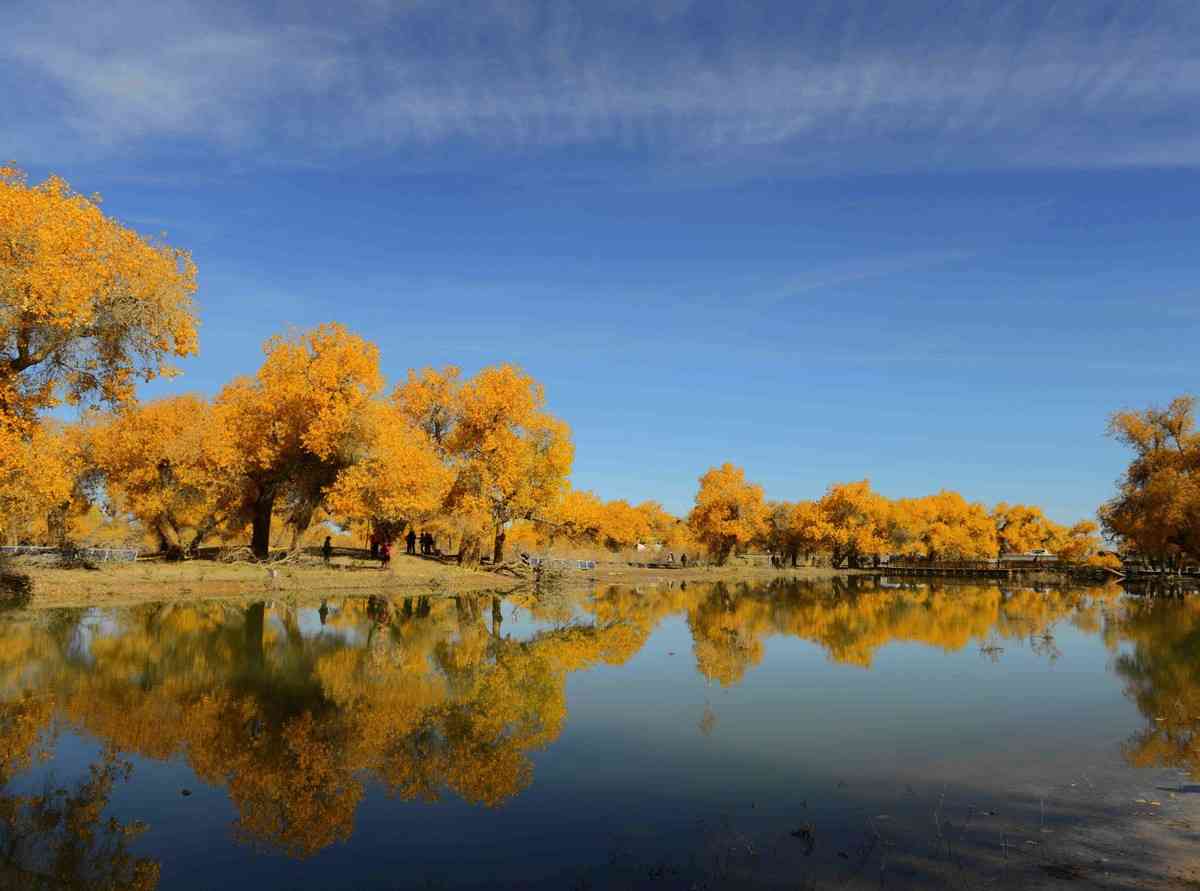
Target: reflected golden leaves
<point>1162,676</point>
<point>59,838</point>
<point>420,695</point>
<point>430,698</point>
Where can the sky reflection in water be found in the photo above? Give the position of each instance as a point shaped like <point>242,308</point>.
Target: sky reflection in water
<point>742,735</point>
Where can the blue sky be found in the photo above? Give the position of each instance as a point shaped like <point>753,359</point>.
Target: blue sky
<point>934,244</point>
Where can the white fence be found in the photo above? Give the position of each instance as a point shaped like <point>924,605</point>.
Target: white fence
<point>95,555</point>
<point>549,562</point>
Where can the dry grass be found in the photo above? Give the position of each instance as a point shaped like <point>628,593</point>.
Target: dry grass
<point>153,581</point>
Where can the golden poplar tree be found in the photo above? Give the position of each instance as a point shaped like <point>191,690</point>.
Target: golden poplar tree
<point>944,526</point>
<point>510,456</point>
<point>729,512</point>
<point>39,472</point>
<point>1156,510</point>
<point>290,430</point>
<point>87,306</point>
<point>854,521</point>
<point>513,456</point>
<point>160,462</point>
<point>1021,528</point>
<point>399,480</point>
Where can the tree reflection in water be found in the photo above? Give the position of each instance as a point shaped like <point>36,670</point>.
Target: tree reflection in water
<point>59,838</point>
<point>1162,675</point>
<point>429,696</point>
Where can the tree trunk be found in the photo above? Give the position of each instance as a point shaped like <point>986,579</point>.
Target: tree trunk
<point>168,540</point>
<point>724,549</point>
<point>301,520</point>
<point>56,525</point>
<point>468,551</point>
<point>498,548</point>
<point>203,531</point>
<point>254,633</point>
<point>260,538</point>
<point>497,617</point>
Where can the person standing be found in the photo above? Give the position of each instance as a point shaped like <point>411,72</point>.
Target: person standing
<point>327,549</point>
<point>410,541</point>
<point>385,554</point>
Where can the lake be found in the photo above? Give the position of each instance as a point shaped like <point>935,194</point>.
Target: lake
<point>837,734</point>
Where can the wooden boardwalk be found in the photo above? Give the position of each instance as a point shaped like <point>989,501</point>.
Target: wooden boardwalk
<point>999,569</point>
<point>1004,569</point>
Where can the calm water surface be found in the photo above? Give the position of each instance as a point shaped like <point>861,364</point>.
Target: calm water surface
<point>836,734</point>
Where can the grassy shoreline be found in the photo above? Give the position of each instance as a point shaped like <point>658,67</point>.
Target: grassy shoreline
<point>153,581</point>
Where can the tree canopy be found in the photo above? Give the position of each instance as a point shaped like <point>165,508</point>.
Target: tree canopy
<point>729,511</point>
<point>87,306</point>
<point>1156,511</point>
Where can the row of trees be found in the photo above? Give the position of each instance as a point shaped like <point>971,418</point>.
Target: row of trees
<point>89,307</point>
<point>311,437</point>
<point>851,522</point>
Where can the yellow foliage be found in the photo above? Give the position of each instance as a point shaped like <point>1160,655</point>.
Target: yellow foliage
<point>399,480</point>
<point>95,528</point>
<point>509,458</point>
<point>87,306</point>
<point>729,512</point>
<point>1021,528</point>
<point>1078,543</point>
<point>430,401</point>
<point>944,526</point>
<point>39,468</point>
<point>1161,672</point>
<point>853,520</point>
<point>584,519</point>
<point>666,528</point>
<point>807,527</point>
<point>160,462</point>
<point>298,423</point>
<point>1157,507</point>
<point>579,516</point>
<point>1105,561</point>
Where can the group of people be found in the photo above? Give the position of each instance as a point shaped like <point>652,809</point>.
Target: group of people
<point>381,546</point>
<point>381,549</point>
<point>425,539</point>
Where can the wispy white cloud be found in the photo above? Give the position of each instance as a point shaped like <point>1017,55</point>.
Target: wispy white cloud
<point>860,270</point>
<point>844,86</point>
